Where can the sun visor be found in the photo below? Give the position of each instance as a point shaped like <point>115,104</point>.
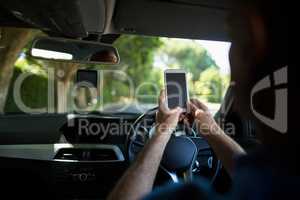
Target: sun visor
<point>69,18</point>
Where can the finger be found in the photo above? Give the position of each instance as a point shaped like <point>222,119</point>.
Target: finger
<point>161,98</point>
<point>196,112</point>
<point>202,106</point>
<point>162,95</point>
<point>162,101</point>
<point>199,104</point>
<point>181,117</point>
<point>190,118</point>
<point>195,102</point>
<point>173,118</point>
<point>199,113</point>
<point>192,107</point>
<point>176,111</point>
<point>186,122</point>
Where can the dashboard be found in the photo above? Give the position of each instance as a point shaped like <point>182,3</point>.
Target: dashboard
<point>69,156</point>
<point>71,170</point>
<point>62,156</point>
<point>97,129</point>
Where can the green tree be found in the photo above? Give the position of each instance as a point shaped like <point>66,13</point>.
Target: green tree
<point>33,91</point>
<point>186,54</point>
<point>212,85</point>
<point>12,41</point>
<point>137,57</point>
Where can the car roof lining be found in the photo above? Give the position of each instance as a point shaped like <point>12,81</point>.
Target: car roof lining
<point>191,19</point>
<point>175,18</point>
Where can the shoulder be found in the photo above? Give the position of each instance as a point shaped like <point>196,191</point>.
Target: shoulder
<point>265,174</point>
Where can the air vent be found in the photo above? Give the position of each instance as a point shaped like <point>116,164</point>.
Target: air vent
<point>102,154</point>
<point>69,154</point>
<point>82,154</point>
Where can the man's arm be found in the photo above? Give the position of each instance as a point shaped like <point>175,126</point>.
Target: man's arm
<point>225,148</point>
<point>139,178</point>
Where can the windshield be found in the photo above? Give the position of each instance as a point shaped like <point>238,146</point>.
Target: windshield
<point>29,85</point>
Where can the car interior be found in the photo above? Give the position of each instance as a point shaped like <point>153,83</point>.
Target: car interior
<point>47,155</point>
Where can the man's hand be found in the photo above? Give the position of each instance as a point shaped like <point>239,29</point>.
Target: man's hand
<point>166,119</point>
<point>205,121</point>
<point>225,148</point>
<point>139,178</point>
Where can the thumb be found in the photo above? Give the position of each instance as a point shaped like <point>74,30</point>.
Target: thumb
<point>179,111</point>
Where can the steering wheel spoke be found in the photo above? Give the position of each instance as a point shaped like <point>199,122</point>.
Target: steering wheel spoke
<point>186,176</point>
<point>137,143</point>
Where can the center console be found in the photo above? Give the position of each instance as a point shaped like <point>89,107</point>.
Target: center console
<point>87,171</point>
<point>63,170</point>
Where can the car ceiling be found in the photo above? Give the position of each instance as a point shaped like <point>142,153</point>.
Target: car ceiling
<point>194,19</point>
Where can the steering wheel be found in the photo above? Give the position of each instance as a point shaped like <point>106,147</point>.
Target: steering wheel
<point>186,154</point>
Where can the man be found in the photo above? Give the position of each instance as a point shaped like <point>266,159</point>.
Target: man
<point>258,32</point>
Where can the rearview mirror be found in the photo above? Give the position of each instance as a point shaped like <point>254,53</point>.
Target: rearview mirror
<point>69,50</point>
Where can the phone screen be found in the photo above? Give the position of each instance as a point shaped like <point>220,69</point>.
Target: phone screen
<point>176,89</point>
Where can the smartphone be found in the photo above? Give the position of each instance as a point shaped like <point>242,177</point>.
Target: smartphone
<point>176,88</point>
